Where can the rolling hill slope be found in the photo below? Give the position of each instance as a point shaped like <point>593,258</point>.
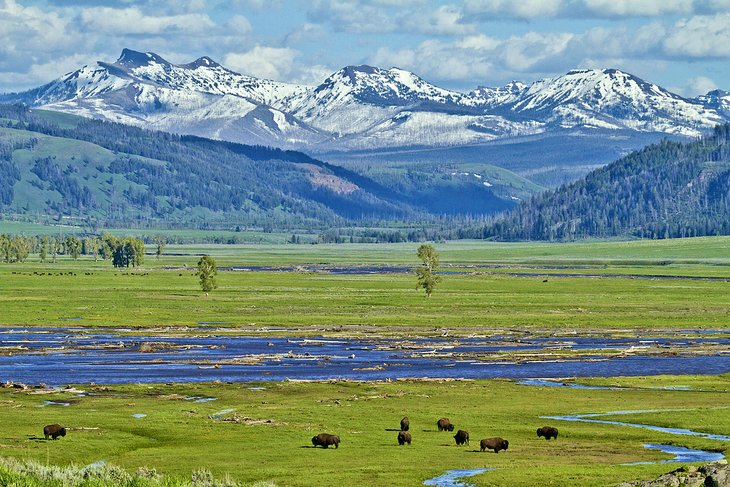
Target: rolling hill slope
<point>62,164</point>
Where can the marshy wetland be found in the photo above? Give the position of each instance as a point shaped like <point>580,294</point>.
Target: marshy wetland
<point>299,340</point>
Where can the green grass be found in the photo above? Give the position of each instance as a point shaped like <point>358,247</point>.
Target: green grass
<point>166,292</point>
<point>178,436</point>
<point>102,296</point>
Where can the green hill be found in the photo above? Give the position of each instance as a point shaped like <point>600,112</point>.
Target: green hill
<point>119,175</point>
<point>665,190</point>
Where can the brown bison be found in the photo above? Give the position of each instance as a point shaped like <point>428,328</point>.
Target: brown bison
<point>325,440</point>
<point>54,431</point>
<point>461,437</point>
<point>445,425</point>
<point>495,444</point>
<point>404,437</point>
<point>405,424</point>
<point>547,432</point>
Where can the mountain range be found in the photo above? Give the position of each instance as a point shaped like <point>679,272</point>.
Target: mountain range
<point>364,108</point>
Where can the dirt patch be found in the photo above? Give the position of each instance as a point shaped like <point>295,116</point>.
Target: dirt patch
<point>238,419</point>
<point>319,178</point>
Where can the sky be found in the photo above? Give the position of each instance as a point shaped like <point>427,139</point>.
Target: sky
<point>682,45</point>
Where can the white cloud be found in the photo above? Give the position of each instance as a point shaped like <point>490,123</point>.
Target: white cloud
<point>445,20</point>
<point>383,16</point>
<point>523,9</point>
<point>263,62</point>
<point>133,21</point>
<point>595,9</point>
<point>525,53</point>
<point>698,85</point>
<point>700,36</point>
<point>352,16</point>
<point>238,25</point>
<point>638,8</point>
<point>307,32</point>
<point>479,42</point>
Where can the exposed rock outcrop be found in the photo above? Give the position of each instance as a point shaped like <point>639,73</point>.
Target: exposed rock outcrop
<point>711,475</point>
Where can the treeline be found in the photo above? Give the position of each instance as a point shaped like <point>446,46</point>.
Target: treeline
<point>121,251</point>
<point>666,190</point>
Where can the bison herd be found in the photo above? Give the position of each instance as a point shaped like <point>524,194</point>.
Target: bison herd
<point>496,444</point>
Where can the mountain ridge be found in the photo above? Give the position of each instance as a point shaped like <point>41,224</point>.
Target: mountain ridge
<point>365,107</point>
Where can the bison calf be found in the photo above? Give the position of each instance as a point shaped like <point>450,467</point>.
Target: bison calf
<point>495,444</point>
<point>54,431</point>
<point>404,437</point>
<point>461,437</point>
<point>325,440</point>
<point>405,424</point>
<point>445,425</point>
<point>547,432</point>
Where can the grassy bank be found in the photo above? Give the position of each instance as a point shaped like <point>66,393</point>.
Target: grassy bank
<point>268,437</point>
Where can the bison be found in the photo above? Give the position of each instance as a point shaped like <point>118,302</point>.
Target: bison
<point>54,431</point>
<point>404,437</point>
<point>495,444</point>
<point>405,424</point>
<point>445,425</point>
<point>547,432</point>
<point>461,437</point>
<point>325,440</point>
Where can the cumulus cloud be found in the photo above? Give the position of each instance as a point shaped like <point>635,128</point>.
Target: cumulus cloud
<point>238,25</point>
<point>263,62</point>
<point>307,32</point>
<point>698,85</point>
<point>525,9</point>
<point>133,21</point>
<point>595,9</point>
<point>381,16</point>
<point>351,16</point>
<point>444,20</point>
<point>700,36</point>
<point>634,8</point>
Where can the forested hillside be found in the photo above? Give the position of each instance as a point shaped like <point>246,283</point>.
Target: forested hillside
<point>118,174</point>
<point>665,190</point>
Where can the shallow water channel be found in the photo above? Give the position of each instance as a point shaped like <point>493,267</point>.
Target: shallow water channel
<point>57,356</point>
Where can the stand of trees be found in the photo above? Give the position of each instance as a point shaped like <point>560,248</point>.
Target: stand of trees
<point>665,190</point>
<point>122,252</point>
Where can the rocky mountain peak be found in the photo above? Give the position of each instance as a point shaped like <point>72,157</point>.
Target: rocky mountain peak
<point>134,59</point>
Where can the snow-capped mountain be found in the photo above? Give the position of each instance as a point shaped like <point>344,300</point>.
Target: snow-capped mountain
<point>609,98</point>
<point>718,100</point>
<point>364,107</point>
<point>201,98</point>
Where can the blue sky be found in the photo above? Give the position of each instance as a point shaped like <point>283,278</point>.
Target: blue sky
<point>683,45</point>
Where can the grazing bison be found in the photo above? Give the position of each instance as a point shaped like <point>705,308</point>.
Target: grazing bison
<point>325,440</point>
<point>54,431</point>
<point>445,425</point>
<point>495,444</point>
<point>404,437</point>
<point>405,424</point>
<point>461,437</point>
<point>547,432</point>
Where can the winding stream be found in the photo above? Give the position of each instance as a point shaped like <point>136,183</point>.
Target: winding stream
<point>681,454</point>
<point>452,477</point>
<point>590,418</point>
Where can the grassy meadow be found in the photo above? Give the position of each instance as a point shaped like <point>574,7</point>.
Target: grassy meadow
<point>535,287</point>
<point>271,440</point>
<point>589,286</point>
